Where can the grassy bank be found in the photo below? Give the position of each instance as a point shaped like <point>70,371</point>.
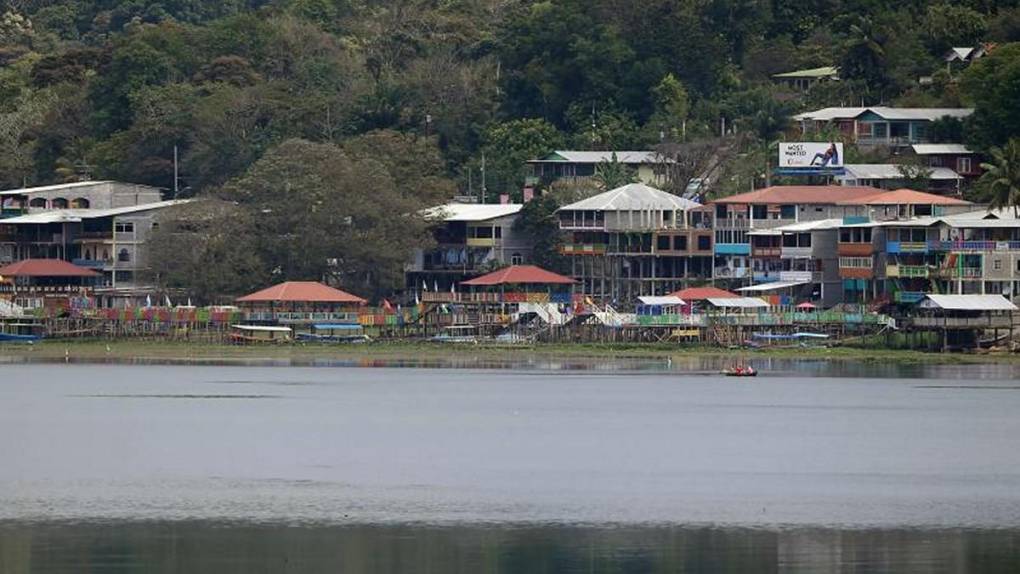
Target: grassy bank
<point>408,351</point>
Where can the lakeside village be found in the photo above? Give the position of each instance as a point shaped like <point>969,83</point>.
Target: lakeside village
<point>856,258</point>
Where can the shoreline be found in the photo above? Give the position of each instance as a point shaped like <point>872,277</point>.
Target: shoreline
<point>185,352</point>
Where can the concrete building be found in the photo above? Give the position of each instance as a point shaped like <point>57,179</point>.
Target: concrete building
<point>880,125</point>
<point>471,239</point>
<point>579,166</point>
<point>636,240</point>
<point>941,180</point>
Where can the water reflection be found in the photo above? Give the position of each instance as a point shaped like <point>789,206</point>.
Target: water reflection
<point>227,548</point>
<point>686,365</point>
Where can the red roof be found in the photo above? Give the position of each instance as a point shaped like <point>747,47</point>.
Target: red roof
<point>45,268</point>
<point>792,194</point>
<point>905,197</point>
<point>519,275</point>
<point>702,293</point>
<point>301,292</point>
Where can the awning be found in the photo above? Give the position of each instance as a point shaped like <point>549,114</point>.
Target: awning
<point>739,302</point>
<point>968,303</point>
<point>262,328</point>
<point>662,300</point>
<point>773,286</point>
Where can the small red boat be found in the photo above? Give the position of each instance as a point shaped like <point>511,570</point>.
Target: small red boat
<point>741,371</point>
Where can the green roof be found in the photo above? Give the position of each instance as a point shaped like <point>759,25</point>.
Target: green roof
<point>823,72</point>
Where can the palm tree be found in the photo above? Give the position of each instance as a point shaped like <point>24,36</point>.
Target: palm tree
<point>1001,182</point>
<point>613,173</point>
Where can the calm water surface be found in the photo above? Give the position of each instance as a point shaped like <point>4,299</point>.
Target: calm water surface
<point>601,467</point>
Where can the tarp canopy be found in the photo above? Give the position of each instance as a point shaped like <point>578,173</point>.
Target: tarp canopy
<point>773,286</point>
<point>662,300</point>
<point>738,302</point>
<point>968,303</point>
<point>807,305</point>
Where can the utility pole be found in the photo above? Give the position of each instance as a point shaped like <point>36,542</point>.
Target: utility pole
<point>175,171</point>
<point>483,177</point>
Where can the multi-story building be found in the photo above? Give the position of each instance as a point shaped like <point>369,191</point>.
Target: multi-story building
<point>957,157</point>
<point>769,208</point>
<point>800,258</point>
<point>470,239</point>
<point>941,180</point>
<point>970,253</point>
<point>636,240</point>
<point>878,126</point>
<point>103,226</point>
<point>579,166</point>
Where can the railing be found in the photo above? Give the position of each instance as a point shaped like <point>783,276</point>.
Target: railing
<point>909,296</point>
<point>906,246</point>
<point>800,276</point>
<point>732,248</point>
<point>731,272</point>
<point>960,273</point>
<point>974,245</point>
<point>988,321</point>
<point>766,251</point>
<point>495,298</point>
<point>95,235</point>
<point>796,252</point>
<point>92,263</point>
<point>295,317</point>
<point>767,319</point>
<point>583,249</point>
<point>44,289</point>
<point>917,271</point>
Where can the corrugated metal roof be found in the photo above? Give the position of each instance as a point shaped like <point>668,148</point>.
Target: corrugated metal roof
<point>520,275</point>
<point>472,211</point>
<point>703,293</point>
<point>892,171</point>
<point>930,114</point>
<point>55,187</point>
<point>818,225</point>
<point>663,300</point>
<point>632,197</point>
<point>575,156</point>
<point>738,302</point>
<point>822,72</point>
<point>936,149</point>
<point>301,292</point>
<point>906,197</point>
<point>76,215</point>
<point>968,303</point>
<point>45,268</point>
<point>773,286</point>
<point>800,194</point>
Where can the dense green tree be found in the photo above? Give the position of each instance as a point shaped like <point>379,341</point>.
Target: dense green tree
<point>538,221</point>
<point>508,145</point>
<point>1000,184</point>
<point>611,173</point>
<point>992,85</point>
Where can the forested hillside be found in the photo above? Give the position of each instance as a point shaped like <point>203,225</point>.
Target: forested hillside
<point>417,92</point>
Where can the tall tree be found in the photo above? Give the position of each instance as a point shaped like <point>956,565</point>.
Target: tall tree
<point>1000,183</point>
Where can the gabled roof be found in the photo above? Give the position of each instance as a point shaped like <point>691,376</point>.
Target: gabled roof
<point>520,275</point>
<point>906,197</point>
<point>936,149</point>
<point>45,268</point>
<point>472,211</point>
<point>69,186</point>
<point>892,171</point>
<point>632,197</point>
<point>703,293</point>
<point>822,72</point>
<point>961,54</point>
<point>929,114</point>
<point>77,215</point>
<point>800,194</point>
<point>968,303</point>
<point>574,156</point>
<point>301,292</point>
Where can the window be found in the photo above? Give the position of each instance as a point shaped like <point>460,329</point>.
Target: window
<point>680,243</point>
<point>58,203</point>
<point>758,212</point>
<point>997,264</point>
<point>963,165</point>
<point>124,227</point>
<point>516,259</point>
<point>37,202</point>
<point>662,243</point>
<point>855,262</point>
<point>80,203</point>
<point>497,232</point>
<point>704,243</point>
<point>867,235</point>
<point>787,211</point>
<point>844,236</point>
<point>123,255</point>
<point>804,239</point>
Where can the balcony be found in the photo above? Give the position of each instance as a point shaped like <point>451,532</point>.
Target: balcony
<point>732,248</point>
<point>796,253</point>
<point>766,251</point>
<point>583,249</point>
<point>855,249</point>
<point>481,242</point>
<point>960,273</point>
<point>908,271</point>
<point>814,276</point>
<point>974,245</point>
<point>906,247</point>
<point>92,263</point>
<point>95,236</point>
<point>731,272</point>
<point>909,297</point>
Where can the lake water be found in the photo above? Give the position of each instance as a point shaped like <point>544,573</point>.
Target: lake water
<point>593,467</point>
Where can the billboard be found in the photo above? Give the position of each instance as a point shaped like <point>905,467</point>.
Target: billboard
<point>810,155</point>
